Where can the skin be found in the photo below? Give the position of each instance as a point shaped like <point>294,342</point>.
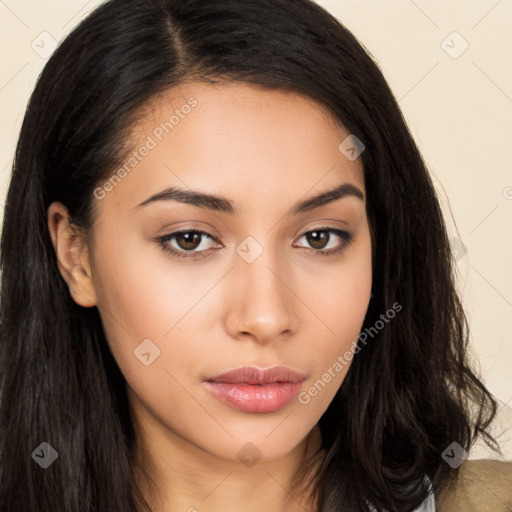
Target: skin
<point>265,151</point>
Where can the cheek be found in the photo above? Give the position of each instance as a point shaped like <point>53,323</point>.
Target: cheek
<point>136,302</point>
<point>152,311</point>
<point>340,296</point>
<point>342,308</point>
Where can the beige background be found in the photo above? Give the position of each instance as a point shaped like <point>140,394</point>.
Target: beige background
<point>456,100</point>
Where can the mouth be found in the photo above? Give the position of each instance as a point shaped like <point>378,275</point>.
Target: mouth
<point>256,390</point>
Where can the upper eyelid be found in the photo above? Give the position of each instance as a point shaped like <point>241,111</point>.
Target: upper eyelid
<point>215,237</point>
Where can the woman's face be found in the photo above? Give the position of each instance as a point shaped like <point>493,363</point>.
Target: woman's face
<point>266,284</point>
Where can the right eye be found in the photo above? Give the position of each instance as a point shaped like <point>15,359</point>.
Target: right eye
<point>186,243</point>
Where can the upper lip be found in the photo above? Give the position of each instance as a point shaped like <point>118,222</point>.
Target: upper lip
<point>255,375</point>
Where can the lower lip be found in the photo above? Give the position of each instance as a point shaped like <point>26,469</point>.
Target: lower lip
<point>254,397</point>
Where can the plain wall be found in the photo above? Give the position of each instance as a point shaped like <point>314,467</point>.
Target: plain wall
<point>457,101</point>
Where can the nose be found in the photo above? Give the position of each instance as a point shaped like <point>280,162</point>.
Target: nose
<point>261,299</point>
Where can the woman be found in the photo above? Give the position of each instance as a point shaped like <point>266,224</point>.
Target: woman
<point>236,288</point>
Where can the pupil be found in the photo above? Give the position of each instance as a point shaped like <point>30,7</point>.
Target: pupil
<point>188,240</point>
<point>319,238</point>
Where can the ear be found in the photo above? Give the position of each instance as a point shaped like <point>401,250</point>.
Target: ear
<point>72,255</point>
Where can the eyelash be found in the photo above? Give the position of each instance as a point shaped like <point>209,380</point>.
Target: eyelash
<point>347,239</point>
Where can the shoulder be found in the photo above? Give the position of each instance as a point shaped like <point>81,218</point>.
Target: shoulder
<point>481,486</point>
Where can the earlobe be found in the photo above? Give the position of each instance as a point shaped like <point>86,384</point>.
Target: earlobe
<point>72,255</point>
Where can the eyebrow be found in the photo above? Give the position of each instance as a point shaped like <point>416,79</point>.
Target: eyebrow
<point>221,204</point>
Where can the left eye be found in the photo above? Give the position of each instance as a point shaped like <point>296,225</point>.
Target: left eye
<point>319,237</point>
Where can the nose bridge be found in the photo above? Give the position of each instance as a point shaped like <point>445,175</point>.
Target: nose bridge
<point>261,299</point>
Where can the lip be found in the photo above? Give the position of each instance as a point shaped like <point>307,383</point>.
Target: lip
<point>253,389</point>
<point>254,375</point>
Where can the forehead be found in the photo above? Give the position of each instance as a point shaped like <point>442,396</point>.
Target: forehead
<point>237,140</point>
<point>229,99</point>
